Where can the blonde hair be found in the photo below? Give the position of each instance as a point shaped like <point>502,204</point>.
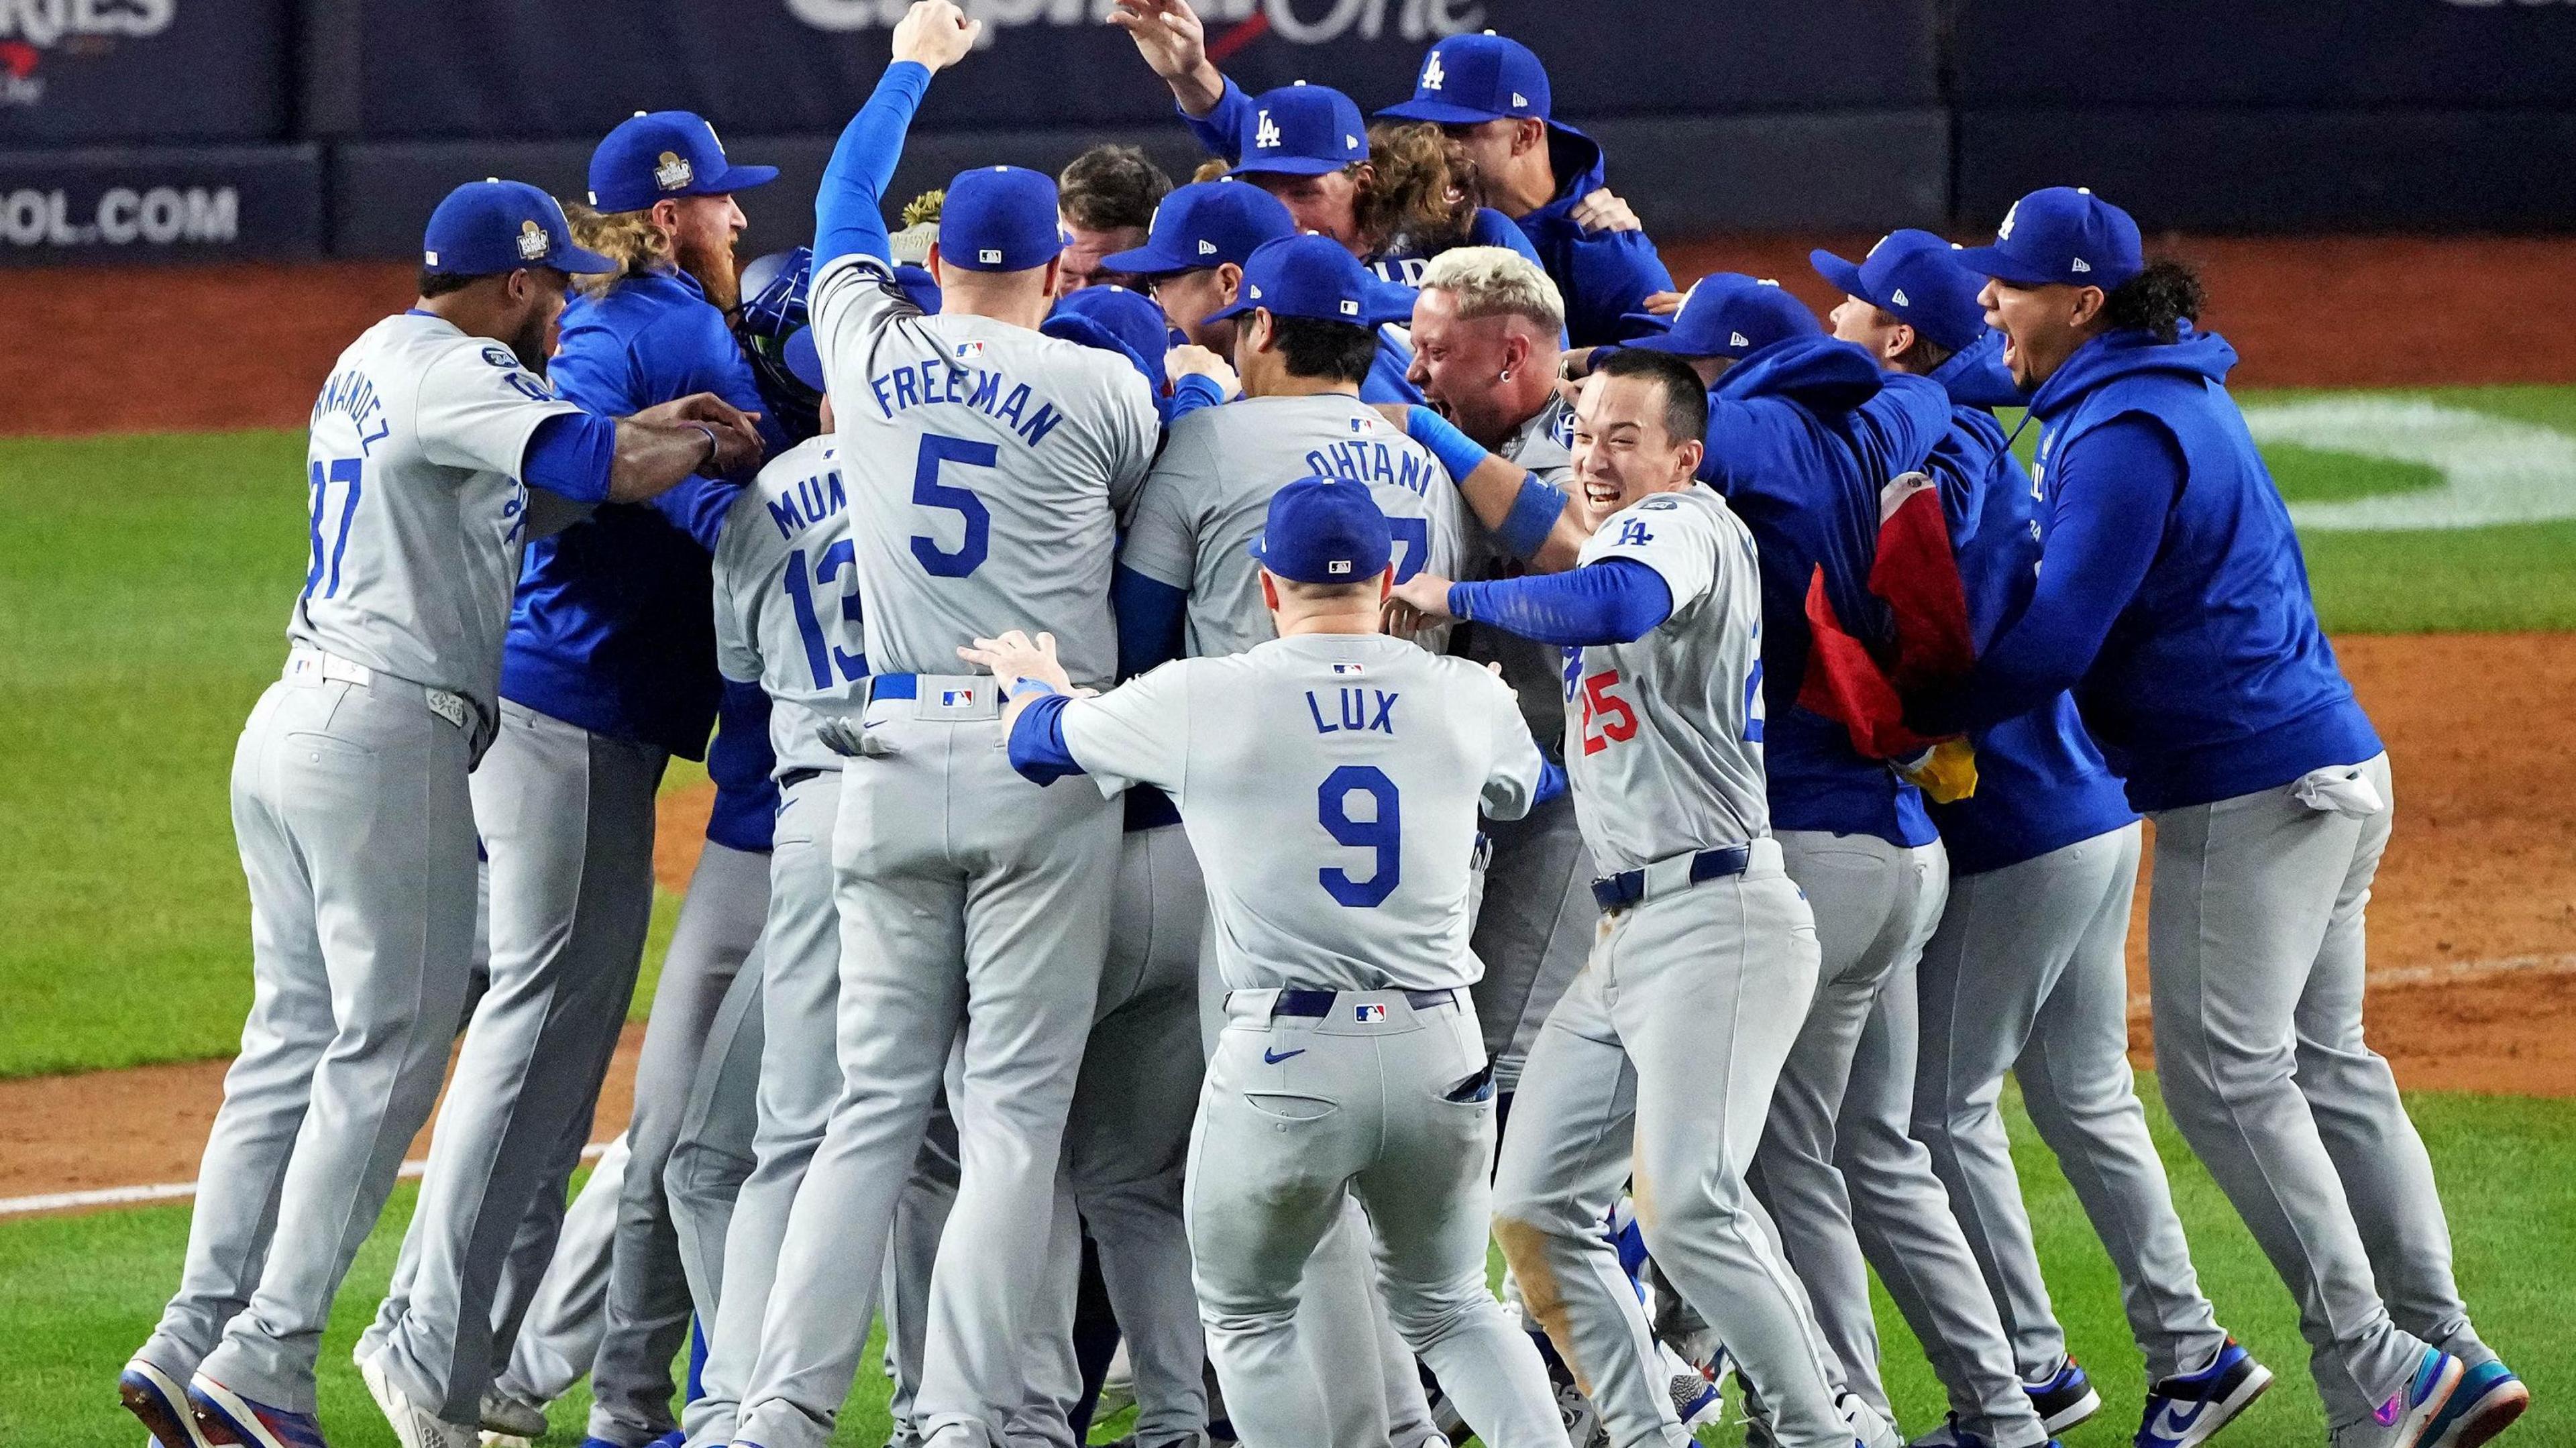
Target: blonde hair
<point>628,238</point>
<point>1494,281</point>
<point>1423,190</point>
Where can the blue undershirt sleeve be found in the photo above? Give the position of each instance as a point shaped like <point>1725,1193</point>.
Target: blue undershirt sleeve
<point>1220,131</point>
<point>1191,393</point>
<point>1151,615</point>
<point>698,507</point>
<point>1614,601</point>
<point>570,454</point>
<point>1551,780</point>
<point>1037,742</point>
<point>2112,493</point>
<point>848,219</point>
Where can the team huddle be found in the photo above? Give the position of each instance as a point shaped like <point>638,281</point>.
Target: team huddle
<point>1267,735</point>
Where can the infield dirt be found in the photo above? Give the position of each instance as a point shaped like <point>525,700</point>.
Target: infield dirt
<point>2476,904</point>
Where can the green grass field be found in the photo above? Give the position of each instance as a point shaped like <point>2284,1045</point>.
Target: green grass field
<point>80,1292</point>
<point>143,603</point>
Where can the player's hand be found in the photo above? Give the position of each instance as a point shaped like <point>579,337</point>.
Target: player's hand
<point>1575,363</point>
<point>1426,593</point>
<point>1602,210</point>
<point>1015,656</point>
<point>936,34</point>
<point>1188,360</point>
<point>1664,304</point>
<point>739,447</point>
<point>1168,33</point>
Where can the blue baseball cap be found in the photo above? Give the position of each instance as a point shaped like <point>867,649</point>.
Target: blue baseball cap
<point>804,359</point>
<point>1324,530</point>
<point>1316,278</point>
<point>999,219</point>
<point>1301,130</point>
<point>1471,78</point>
<point>2062,234</point>
<point>1727,314</point>
<point>918,284</point>
<point>1204,224</point>
<point>1114,319</point>
<point>1915,277</point>
<point>491,226</point>
<point>665,153</point>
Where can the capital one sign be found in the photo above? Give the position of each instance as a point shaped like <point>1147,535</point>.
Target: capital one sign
<point>1299,22</point>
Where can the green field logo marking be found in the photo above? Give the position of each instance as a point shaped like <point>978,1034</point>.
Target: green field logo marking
<point>2492,470</point>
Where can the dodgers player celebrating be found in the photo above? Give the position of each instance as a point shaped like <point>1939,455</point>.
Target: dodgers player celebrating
<point>984,465</point>
<point>1672,1037</point>
<point>1350,1064</point>
<point>607,671</point>
<point>349,790</point>
<point>2027,970</point>
<point>2173,599</point>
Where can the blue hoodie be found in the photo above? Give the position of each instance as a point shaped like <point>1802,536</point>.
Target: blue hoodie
<point>2041,784</point>
<point>612,627</point>
<point>1605,275</point>
<point>1802,436</point>
<point>2172,597</point>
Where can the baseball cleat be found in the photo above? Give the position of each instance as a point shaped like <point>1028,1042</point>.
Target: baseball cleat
<point>1951,1434</point>
<point>2064,1400</point>
<point>1583,1425</point>
<point>2485,1403</point>
<point>506,1417</point>
<point>414,1426</point>
<point>2402,1421</point>
<point>2189,1408</point>
<point>1868,1429</point>
<point>224,1418</point>
<point>160,1401</point>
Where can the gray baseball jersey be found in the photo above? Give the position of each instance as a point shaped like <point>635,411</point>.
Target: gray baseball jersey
<point>1321,779</point>
<point>986,467</point>
<point>418,514</point>
<point>1534,669</point>
<point>787,600</point>
<point>1663,738</point>
<point>1209,493</point>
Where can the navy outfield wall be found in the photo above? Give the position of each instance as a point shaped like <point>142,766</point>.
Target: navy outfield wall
<point>135,127</point>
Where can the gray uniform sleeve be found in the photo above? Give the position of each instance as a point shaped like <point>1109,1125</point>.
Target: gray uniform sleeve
<point>473,412</point>
<point>737,642</point>
<point>1669,534</point>
<point>1162,535</point>
<point>1136,426</point>
<point>1137,733</point>
<point>1517,765</point>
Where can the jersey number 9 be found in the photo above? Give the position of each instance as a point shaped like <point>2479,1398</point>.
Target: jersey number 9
<point>1384,834</point>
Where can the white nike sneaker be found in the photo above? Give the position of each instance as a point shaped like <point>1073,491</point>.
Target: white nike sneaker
<point>1869,1430</point>
<point>414,1426</point>
<point>510,1422</point>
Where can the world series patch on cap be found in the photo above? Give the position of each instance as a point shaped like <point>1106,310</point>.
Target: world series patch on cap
<point>658,154</point>
<point>488,227</point>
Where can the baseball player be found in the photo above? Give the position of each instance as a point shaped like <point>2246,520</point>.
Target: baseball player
<point>606,673</point>
<point>349,790</point>
<point>984,466</point>
<point>1107,197</point>
<point>1356,962</point>
<point>1192,260</point>
<point>1665,1049</point>
<point>2172,598</point>
<point>1309,145</point>
<point>2027,969</point>
<point>1186,585</point>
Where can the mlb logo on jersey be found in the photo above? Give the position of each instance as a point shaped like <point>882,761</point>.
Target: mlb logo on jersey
<point>1368,1015</point>
<point>1348,669</point>
<point>970,349</point>
<point>956,698</point>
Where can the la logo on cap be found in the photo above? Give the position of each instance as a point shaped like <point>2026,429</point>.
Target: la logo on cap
<point>2004,232</point>
<point>1265,134</point>
<point>1432,75</point>
<point>674,172</point>
<point>532,241</point>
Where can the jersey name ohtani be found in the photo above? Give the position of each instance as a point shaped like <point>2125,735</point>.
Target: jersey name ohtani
<point>1363,460</point>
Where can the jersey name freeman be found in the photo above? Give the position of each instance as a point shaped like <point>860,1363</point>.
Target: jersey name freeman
<point>939,380</point>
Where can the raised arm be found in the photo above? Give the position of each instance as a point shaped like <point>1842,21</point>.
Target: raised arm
<point>1169,34</point>
<point>1529,517</point>
<point>848,209</point>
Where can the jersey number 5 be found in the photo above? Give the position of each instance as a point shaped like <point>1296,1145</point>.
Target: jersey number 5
<point>1384,834</point>
<point>929,492</point>
<point>1600,706</point>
